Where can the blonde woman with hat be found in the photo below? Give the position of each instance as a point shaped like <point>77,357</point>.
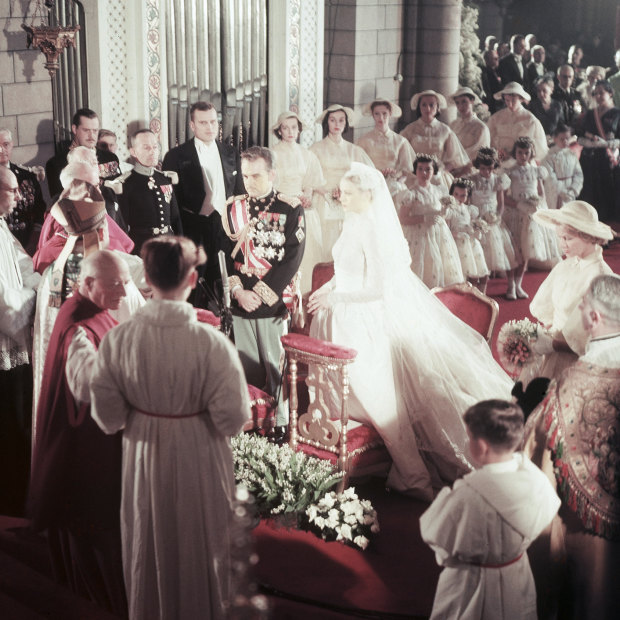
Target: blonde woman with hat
<point>389,151</point>
<point>472,133</point>
<point>299,174</point>
<point>336,156</point>
<point>514,121</point>
<point>556,303</point>
<point>429,135</point>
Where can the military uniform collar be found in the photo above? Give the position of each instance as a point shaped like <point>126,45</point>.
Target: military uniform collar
<point>144,170</point>
<point>263,200</point>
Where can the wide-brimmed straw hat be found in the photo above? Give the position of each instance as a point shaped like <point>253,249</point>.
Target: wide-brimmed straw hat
<point>465,90</point>
<point>578,215</point>
<point>285,116</point>
<point>512,88</point>
<point>334,107</point>
<point>396,111</point>
<point>441,100</point>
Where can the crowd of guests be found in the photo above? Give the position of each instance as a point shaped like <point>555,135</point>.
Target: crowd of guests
<point>118,429</point>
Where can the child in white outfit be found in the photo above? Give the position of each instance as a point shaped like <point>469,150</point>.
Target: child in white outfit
<point>481,528</point>
<point>460,217</point>
<point>434,255</point>
<point>488,195</point>
<point>565,175</point>
<point>526,197</point>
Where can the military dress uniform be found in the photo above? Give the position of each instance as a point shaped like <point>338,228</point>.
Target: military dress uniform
<point>27,217</point>
<point>267,236</point>
<point>147,204</point>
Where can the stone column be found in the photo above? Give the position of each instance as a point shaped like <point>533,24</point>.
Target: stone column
<point>431,57</point>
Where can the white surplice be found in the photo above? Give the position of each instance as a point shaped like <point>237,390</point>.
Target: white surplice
<point>178,480</point>
<point>490,517</point>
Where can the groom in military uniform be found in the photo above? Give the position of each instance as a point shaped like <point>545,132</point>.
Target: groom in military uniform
<point>266,239</point>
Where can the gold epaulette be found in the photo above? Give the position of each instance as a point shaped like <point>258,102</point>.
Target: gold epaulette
<point>172,175</point>
<point>233,198</point>
<point>293,201</point>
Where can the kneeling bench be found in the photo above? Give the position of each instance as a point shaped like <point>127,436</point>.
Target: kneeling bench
<point>355,449</point>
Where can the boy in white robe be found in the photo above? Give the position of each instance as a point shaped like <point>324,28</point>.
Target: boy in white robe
<point>481,528</point>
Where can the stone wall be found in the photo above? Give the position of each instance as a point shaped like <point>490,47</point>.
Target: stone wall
<point>25,90</point>
<point>363,41</point>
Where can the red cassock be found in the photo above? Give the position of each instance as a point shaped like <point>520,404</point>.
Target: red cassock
<point>75,487</point>
<point>53,238</point>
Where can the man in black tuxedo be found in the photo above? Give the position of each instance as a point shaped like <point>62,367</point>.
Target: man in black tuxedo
<point>535,68</point>
<point>209,172</point>
<point>491,82</point>
<point>511,67</point>
<point>85,128</point>
<point>568,96</point>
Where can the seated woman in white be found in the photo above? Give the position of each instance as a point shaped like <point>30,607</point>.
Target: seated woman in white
<point>418,366</point>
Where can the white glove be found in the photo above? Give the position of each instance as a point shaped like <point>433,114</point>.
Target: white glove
<point>613,144</point>
<point>543,343</point>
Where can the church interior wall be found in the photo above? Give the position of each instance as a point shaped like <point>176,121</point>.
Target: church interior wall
<point>25,90</point>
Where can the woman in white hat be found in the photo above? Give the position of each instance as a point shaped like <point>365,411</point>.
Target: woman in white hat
<point>429,135</point>
<point>513,121</point>
<point>389,151</point>
<point>299,173</point>
<point>469,129</point>
<point>336,155</point>
<point>556,303</point>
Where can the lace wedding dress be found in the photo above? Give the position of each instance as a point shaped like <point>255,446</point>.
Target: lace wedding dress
<point>418,367</point>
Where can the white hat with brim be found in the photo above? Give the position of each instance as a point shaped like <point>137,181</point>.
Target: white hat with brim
<point>578,215</point>
<point>334,108</point>
<point>396,111</point>
<point>441,100</point>
<point>512,88</point>
<point>285,116</point>
<point>465,90</point>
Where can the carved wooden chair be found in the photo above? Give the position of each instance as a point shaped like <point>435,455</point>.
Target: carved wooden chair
<point>325,433</point>
<point>471,306</point>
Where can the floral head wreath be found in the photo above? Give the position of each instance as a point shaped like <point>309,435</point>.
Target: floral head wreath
<point>463,182</point>
<point>427,156</point>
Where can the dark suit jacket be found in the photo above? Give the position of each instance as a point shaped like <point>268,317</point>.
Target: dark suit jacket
<point>189,191</point>
<point>491,84</point>
<point>508,70</point>
<point>531,75</point>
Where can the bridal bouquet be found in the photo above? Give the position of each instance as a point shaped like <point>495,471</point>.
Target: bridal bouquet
<point>343,517</point>
<point>514,344</point>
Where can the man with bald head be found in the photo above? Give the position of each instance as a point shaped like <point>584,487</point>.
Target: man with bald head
<point>18,285</point>
<point>75,488</point>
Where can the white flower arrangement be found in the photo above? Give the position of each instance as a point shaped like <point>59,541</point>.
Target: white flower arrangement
<point>295,489</point>
<point>514,344</point>
<point>343,517</point>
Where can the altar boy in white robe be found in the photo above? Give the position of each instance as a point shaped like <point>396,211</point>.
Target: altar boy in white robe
<point>481,528</point>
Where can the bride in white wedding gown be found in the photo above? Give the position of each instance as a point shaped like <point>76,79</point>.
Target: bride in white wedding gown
<point>418,367</point>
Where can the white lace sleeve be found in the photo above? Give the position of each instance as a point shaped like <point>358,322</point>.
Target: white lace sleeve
<point>81,358</point>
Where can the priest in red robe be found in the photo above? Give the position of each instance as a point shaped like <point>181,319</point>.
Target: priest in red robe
<point>75,487</point>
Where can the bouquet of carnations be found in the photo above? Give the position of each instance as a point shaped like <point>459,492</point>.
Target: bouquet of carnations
<point>514,345</point>
<point>343,517</point>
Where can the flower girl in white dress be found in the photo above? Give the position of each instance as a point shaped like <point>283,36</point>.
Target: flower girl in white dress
<point>418,367</point>
<point>460,216</point>
<point>488,196</point>
<point>435,257</point>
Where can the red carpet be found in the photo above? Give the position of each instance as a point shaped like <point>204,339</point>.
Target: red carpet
<point>303,577</point>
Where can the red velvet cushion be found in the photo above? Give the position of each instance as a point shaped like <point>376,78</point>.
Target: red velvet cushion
<point>262,408</point>
<point>470,310</point>
<point>363,443</point>
<point>206,316</point>
<point>318,347</point>
<point>322,273</point>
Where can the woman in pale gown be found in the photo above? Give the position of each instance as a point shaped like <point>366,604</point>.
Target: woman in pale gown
<point>429,135</point>
<point>335,155</point>
<point>514,121</point>
<point>389,151</point>
<point>298,173</point>
<point>472,133</point>
<point>177,389</point>
<point>418,367</point>
<point>556,303</point>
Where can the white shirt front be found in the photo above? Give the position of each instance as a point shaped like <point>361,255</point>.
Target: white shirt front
<point>212,176</point>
